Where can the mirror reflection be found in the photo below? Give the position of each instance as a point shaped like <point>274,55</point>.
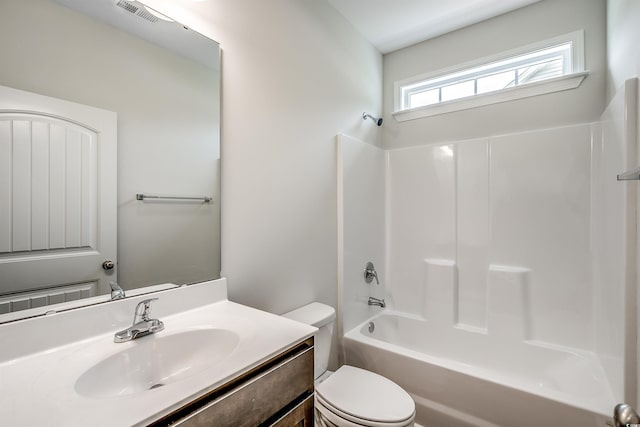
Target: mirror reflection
<point>64,233</point>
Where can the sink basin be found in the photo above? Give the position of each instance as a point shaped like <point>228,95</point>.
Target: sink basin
<point>155,361</point>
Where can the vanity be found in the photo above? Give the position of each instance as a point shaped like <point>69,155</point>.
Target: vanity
<point>278,393</point>
<point>214,363</point>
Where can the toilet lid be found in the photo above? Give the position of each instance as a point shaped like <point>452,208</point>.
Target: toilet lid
<point>366,396</point>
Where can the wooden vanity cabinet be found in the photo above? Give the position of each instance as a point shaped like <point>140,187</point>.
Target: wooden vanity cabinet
<point>277,393</point>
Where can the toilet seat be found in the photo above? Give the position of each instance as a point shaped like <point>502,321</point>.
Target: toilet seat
<point>365,398</point>
<point>335,418</point>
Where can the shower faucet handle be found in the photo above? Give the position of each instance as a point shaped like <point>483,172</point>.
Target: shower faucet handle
<point>370,273</point>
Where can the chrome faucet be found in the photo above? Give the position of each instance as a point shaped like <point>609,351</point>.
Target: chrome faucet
<point>370,273</point>
<point>142,324</point>
<point>377,302</point>
<point>116,291</point>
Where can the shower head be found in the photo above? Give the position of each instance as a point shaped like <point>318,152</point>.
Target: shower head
<point>378,120</point>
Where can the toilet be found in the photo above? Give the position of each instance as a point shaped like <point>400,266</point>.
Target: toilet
<point>350,396</point>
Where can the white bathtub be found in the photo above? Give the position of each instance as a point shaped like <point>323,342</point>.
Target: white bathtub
<point>468,378</point>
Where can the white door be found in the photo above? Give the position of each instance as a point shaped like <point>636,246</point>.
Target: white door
<point>57,198</point>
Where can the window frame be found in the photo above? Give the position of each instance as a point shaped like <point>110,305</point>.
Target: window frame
<point>463,72</point>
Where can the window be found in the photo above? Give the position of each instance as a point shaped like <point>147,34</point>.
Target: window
<point>486,81</point>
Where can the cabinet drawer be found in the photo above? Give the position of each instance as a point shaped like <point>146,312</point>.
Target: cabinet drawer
<point>299,416</point>
<point>256,400</point>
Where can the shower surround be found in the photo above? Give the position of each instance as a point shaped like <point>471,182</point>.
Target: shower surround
<point>502,259</point>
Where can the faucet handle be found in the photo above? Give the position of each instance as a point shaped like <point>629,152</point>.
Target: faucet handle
<point>142,310</point>
<point>370,273</point>
<point>116,291</point>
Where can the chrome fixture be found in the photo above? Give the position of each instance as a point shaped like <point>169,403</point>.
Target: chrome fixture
<point>142,325</point>
<point>377,120</point>
<point>624,415</point>
<point>377,302</point>
<point>203,199</point>
<point>630,175</point>
<point>116,291</point>
<point>370,273</point>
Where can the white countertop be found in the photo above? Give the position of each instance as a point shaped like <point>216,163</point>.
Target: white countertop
<point>37,387</point>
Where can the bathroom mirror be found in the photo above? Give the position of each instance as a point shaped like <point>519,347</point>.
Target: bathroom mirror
<point>162,80</point>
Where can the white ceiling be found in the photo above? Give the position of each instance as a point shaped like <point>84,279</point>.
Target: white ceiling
<point>394,24</point>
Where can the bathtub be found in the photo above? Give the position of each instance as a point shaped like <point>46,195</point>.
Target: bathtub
<point>463,377</point>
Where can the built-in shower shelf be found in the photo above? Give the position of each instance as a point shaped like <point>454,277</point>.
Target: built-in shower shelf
<point>630,175</point>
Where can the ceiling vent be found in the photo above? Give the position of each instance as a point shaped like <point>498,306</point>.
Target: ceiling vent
<point>141,12</point>
<point>127,6</point>
<point>146,15</point>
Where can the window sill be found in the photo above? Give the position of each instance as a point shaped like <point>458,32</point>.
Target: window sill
<point>569,81</point>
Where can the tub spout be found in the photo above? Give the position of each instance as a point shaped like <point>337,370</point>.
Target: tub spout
<point>377,302</point>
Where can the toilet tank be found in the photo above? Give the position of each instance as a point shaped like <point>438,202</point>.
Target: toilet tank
<point>322,317</point>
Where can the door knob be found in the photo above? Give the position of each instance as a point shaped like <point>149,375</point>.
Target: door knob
<point>625,415</point>
<point>108,265</point>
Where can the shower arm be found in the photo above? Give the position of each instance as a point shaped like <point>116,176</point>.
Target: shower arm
<point>378,120</point>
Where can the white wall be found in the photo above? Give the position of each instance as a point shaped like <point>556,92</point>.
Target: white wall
<point>167,130</point>
<point>294,73</point>
<point>623,62</point>
<point>623,50</point>
<point>537,22</point>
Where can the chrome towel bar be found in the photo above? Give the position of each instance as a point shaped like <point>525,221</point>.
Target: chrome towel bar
<point>204,199</point>
<point>630,175</point>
